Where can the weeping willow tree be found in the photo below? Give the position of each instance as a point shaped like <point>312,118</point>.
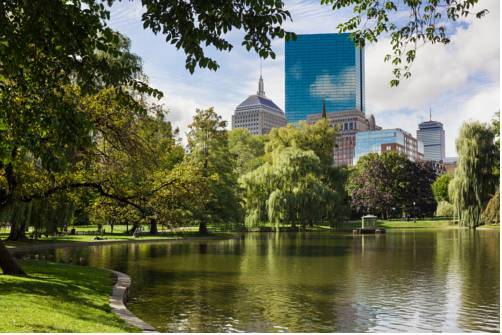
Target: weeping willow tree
<point>290,190</point>
<point>43,215</point>
<point>474,182</point>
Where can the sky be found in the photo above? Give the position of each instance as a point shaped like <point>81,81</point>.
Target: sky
<point>458,82</point>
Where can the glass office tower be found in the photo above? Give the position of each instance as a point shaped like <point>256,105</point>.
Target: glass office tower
<point>380,141</point>
<point>431,133</point>
<point>321,66</point>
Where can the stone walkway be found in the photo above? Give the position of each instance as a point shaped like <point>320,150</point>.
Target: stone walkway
<point>118,299</point>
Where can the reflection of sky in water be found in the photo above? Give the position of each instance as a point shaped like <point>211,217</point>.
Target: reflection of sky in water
<point>406,280</point>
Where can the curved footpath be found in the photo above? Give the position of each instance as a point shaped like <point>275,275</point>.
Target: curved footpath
<point>118,299</point>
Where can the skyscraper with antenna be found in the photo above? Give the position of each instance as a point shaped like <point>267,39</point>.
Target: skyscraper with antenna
<point>258,113</point>
<point>432,135</point>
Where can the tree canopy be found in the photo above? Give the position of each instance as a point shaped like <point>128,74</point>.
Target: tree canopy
<point>296,184</point>
<point>389,184</point>
<point>440,187</point>
<point>473,183</point>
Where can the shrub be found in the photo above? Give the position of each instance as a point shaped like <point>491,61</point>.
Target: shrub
<point>444,209</point>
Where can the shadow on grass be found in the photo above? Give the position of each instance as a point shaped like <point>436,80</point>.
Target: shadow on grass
<point>63,298</point>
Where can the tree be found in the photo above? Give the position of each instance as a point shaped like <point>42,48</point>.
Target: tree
<point>369,187</point>
<point>296,184</point>
<point>420,192</point>
<point>208,146</point>
<point>319,137</point>
<point>390,184</point>
<point>473,183</point>
<point>54,55</point>
<point>289,190</point>
<point>440,187</point>
<point>444,208</point>
<point>425,21</point>
<point>247,148</point>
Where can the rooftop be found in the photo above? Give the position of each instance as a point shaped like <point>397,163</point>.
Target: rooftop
<point>259,99</point>
<point>430,124</point>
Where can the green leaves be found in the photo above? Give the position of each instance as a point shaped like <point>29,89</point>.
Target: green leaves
<point>390,184</point>
<point>474,181</point>
<point>190,24</point>
<point>440,187</point>
<point>410,24</point>
<point>295,185</point>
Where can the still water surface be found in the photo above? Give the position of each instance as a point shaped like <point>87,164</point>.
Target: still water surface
<point>406,280</point>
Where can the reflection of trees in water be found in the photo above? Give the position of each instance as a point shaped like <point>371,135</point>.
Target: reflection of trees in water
<point>446,280</point>
<point>480,272</point>
<point>401,280</point>
<point>282,276</point>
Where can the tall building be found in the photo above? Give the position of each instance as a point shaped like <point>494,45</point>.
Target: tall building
<point>323,66</point>
<point>380,141</point>
<point>431,133</point>
<point>258,113</point>
<point>348,124</point>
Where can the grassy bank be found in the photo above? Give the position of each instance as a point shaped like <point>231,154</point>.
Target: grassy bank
<point>108,237</point>
<point>417,224</point>
<point>58,298</point>
<point>389,224</point>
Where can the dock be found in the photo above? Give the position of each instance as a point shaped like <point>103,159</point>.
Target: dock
<point>368,231</point>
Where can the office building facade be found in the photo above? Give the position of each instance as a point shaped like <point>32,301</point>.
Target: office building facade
<point>348,123</point>
<point>431,134</point>
<point>385,140</point>
<point>323,66</point>
<point>258,113</point>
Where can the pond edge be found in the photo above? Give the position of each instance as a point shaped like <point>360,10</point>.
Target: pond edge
<point>117,303</point>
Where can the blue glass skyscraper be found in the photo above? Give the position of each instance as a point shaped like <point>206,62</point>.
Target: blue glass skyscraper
<point>321,66</point>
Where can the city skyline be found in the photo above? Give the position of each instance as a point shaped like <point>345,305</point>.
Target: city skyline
<point>458,82</point>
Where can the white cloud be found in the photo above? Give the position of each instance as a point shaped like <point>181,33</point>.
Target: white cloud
<point>326,84</point>
<point>459,81</point>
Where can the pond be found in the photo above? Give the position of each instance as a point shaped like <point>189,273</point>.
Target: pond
<point>406,280</point>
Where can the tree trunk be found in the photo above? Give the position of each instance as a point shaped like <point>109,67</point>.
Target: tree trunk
<point>19,219</point>
<point>8,263</point>
<point>133,228</point>
<point>153,227</point>
<point>202,228</point>
<point>17,232</point>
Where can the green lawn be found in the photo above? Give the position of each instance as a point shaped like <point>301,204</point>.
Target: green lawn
<point>417,224</point>
<point>58,298</point>
<point>119,236</point>
<point>434,223</point>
